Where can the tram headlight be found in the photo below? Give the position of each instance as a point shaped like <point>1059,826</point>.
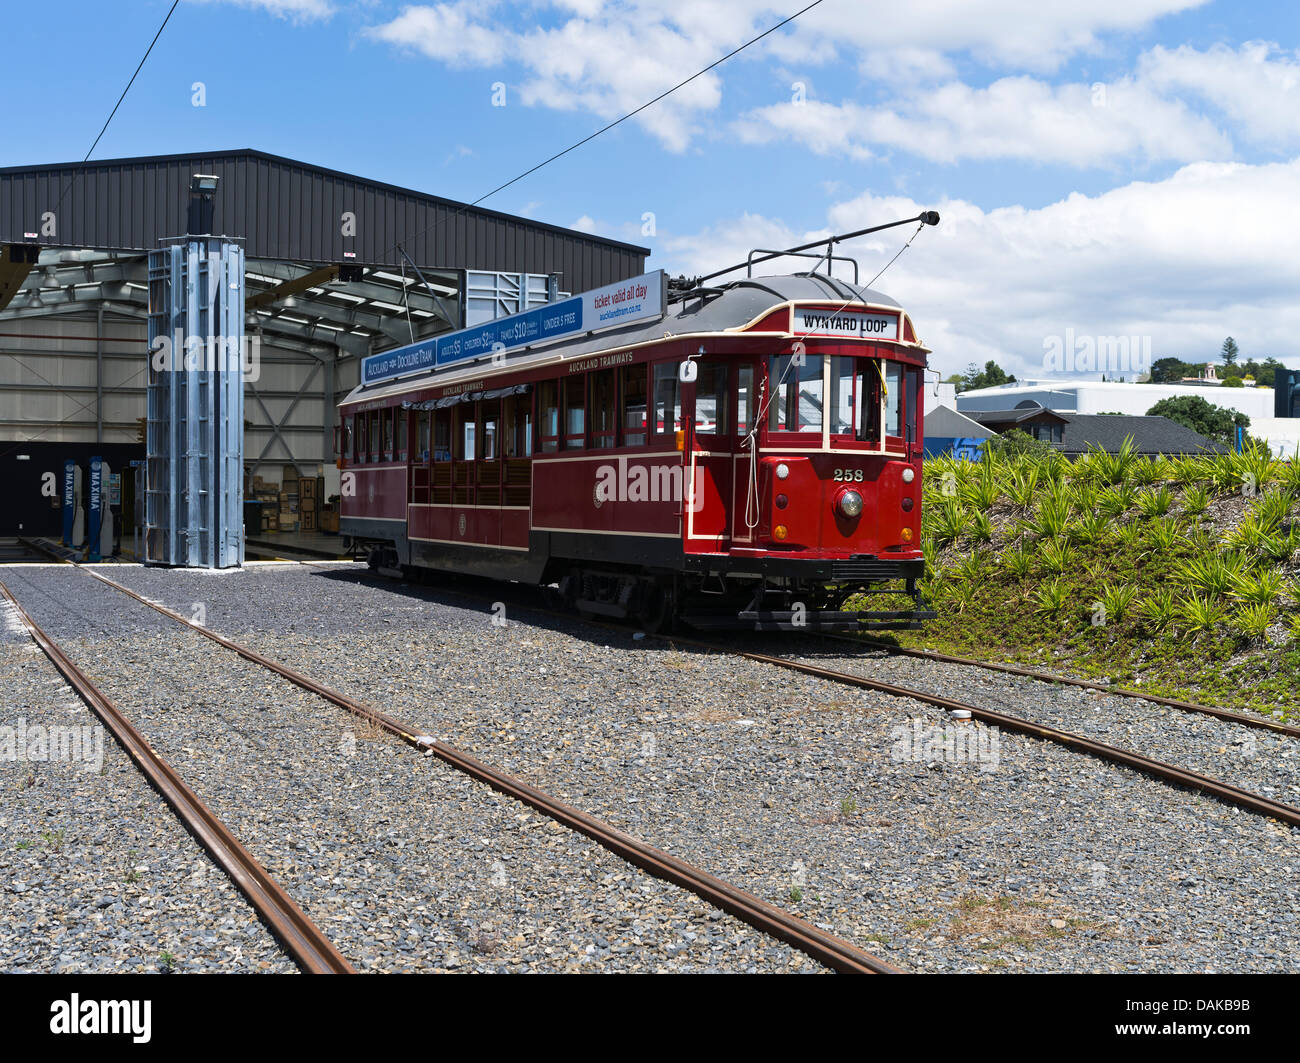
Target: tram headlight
<point>850,503</point>
<point>782,471</point>
<point>909,474</point>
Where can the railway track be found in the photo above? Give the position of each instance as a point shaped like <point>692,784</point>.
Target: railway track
<point>1166,772</point>
<point>305,942</point>
<point>826,948</point>
<point>1262,723</point>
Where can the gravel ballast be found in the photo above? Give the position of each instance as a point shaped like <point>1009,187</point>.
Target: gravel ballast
<point>96,873</point>
<point>406,864</point>
<point>842,805</point>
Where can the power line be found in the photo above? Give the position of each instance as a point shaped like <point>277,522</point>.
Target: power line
<point>71,181</point>
<point>618,121</point>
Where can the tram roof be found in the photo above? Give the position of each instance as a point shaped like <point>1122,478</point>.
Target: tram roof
<point>723,308</point>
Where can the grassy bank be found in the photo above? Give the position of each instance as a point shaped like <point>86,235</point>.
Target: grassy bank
<point>1179,576</point>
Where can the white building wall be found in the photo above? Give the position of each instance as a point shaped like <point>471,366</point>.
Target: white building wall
<point>1113,397</point>
<point>940,394</point>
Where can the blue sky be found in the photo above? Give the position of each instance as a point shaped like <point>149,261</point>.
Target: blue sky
<point>1111,167</point>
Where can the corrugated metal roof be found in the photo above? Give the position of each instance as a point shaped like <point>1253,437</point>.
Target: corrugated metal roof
<point>292,210</point>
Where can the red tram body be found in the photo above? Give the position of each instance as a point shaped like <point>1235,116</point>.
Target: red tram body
<point>749,458</point>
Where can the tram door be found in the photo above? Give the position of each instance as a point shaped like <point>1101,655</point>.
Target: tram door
<point>747,384</point>
<point>709,476</point>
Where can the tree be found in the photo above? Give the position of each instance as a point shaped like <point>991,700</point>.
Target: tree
<point>1170,370</point>
<point>1016,442</point>
<point>1229,351</point>
<point>1192,411</point>
<point>992,375</point>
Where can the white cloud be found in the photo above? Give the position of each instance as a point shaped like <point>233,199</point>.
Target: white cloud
<point>1144,117</point>
<point>1206,253</point>
<point>446,32</point>
<point>1257,86</point>
<point>295,10</point>
<point>607,58</point>
<point>1013,118</point>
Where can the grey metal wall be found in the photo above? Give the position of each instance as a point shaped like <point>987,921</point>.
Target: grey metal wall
<point>289,210</point>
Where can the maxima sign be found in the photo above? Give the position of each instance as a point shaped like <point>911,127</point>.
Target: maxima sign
<point>854,324</point>
<point>636,299</point>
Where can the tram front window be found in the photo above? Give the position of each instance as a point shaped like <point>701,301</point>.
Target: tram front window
<point>797,393</point>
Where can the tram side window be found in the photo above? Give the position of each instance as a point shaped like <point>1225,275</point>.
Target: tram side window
<point>575,412</point>
<point>796,394</point>
<point>349,442</point>
<point>604,407</point>
<point>548,417</point>
<point>374,435</point>
<point>491,410</point>
<point>442,435</point>
<point>386,418</point>
<point>711,395</point>
<point>464,433</point>
<point>519,426</point>
<point>422,436</point>
<point>745,399</point>
<point>403,443</point>
<point>893,399</point>
<point>667,399</point>
<point>634,406</point>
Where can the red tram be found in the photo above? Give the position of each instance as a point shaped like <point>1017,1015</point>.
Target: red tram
<point>746,455</point>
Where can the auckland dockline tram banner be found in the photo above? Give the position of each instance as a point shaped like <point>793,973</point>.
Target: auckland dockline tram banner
<point>635,299</point>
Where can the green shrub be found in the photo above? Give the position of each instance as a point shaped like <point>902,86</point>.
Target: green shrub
<point>1263,588</point>
<point>1253,621</point>
<point>1056,556</point>
<point>1091,527</point>
<point>1018,561</point>
<point>1052,517</point>
<point>1050,598</point>
<point>1196,500</point>
<point>1115,501</point>
<point>1117,598</point>
<point>1158,610</point>
<point>1155,503</point>
<point>1201,614</point>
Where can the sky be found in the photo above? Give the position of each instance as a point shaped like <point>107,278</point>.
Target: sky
<point>1106,168</point>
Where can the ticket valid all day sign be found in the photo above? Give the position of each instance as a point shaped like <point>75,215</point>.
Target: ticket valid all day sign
<point>624,303</point>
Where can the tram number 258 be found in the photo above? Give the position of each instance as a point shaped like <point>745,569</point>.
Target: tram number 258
<point>848,475</point>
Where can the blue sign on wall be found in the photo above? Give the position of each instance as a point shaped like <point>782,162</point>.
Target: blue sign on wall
<point>96,514</point>
<point>69,500</point>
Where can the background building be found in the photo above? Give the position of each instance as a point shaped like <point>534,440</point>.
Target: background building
<point>331,276</point>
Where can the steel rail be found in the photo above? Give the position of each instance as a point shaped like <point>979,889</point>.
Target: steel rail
<point>1260,722</point>
<point>305,942</point>
<point>1161,769</point>
<point>825,948</point>
<point>1224,791</point>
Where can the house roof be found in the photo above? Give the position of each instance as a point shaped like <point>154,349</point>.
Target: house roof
<point>1023,412</point>
<point>1151,435</point>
